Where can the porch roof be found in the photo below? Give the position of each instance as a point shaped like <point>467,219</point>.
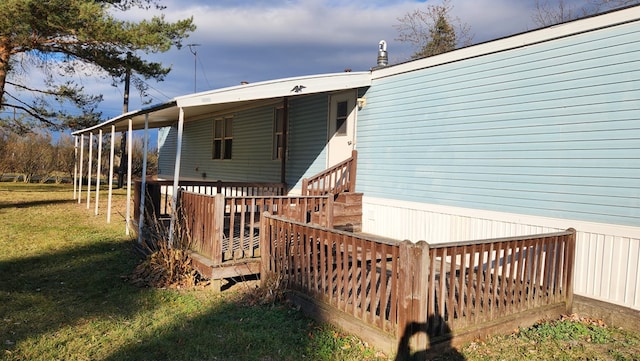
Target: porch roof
<point>234,97</point>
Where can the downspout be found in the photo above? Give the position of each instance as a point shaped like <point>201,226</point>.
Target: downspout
<point>98,170</point>
<point>285,136</point>
<point>129,166</point>
<point>176,177</point>
<point>111,155</point>
<point>89,170</point>
<point>143,183</point>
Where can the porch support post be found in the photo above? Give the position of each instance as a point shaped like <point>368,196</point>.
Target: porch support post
<point>143,183</point>
<point>81,161</point>
<point>176,177</point>
<point>129,166</point>
<point>98,170</point>
<point>75,167</point>
<point>89,170</point>
<point>110,180</point>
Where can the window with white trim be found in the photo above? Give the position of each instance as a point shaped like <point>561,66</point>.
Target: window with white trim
<point>222,138</point>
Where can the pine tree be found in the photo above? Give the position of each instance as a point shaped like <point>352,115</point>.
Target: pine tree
<point>69,39</point>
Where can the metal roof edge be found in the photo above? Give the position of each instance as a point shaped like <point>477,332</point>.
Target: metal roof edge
<point>281,87</point>
<point>125,116</point>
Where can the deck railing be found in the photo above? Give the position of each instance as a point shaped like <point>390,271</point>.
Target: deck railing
<point>337,179</point>
<point>159,192</point>
<point>227,228</point>
<point>402,288</point>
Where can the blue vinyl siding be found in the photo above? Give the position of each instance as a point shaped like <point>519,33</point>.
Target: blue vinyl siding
<point>307,137</point>
<point>551,129</point>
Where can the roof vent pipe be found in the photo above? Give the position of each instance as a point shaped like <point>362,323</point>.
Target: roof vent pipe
<point>383,59</point>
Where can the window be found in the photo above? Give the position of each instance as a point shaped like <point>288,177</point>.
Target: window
<point>222,138</point>
<point>342,112</point>
<point>278,134</point>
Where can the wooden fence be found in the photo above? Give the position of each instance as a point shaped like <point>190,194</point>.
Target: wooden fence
<point>227,228</point>
<point>401,289</point>
<point>337,179</point>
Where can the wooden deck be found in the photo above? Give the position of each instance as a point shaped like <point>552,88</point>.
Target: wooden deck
<point>387,290</point>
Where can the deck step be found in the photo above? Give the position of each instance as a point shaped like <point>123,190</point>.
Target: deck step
<point>347,212</point>
<point>228,269</point>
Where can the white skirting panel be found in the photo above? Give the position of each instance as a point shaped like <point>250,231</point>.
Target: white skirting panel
<point>607,255</point>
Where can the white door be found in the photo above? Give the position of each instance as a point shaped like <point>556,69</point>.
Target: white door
<point>342,125</point>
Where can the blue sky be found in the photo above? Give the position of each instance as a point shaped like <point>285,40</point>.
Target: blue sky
<point>260,40</point>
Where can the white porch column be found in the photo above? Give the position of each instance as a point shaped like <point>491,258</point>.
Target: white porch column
<point>129,166</point>
<point>98,170</point>
<point>89,170</point>
<point>110,180</point>
<point>81,161</point>
<point>143,183</point>
<point>75,167</point>
<point>176,177</point>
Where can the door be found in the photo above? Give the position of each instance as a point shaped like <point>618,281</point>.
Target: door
<point>342,125</point>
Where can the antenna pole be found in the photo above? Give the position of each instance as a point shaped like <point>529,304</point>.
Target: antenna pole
<point>194,51</point>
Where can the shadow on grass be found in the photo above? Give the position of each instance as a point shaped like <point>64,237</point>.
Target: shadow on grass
<point>35,203</point>
<point>49,300</point>
<point>42,294</point>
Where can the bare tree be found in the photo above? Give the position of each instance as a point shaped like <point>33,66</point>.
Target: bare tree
<point>64,158</point>
<point>31,155</point>
<point>433,30</point>
<point>137,159</point>
<point>552,12</point>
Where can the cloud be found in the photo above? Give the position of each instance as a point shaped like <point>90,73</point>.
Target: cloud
<point>260,40</point>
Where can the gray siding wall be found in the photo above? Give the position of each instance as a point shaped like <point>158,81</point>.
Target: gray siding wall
<point>307,138</point>
<point>252,145</point>
<point>551,129</point>
<point>166,151</point>
<point>251,157</point>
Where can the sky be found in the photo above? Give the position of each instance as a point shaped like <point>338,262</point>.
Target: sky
<point>240,40</point>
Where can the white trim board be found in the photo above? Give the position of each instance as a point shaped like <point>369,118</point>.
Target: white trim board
<point>520,219</point>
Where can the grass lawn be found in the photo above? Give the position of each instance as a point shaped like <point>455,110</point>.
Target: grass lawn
<point>65,294</point>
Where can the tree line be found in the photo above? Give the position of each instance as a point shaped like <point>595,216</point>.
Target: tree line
<point>36,156</point>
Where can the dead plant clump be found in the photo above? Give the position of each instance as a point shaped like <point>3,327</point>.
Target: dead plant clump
<point>167,264</point>
<point>166,268</point>
<point>270,291</point>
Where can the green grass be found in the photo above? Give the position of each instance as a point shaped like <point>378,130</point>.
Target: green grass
<point>559,340</point>
<point>65,295</point>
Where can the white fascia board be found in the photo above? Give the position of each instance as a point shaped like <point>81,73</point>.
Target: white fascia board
<point>516,41</point>
<point>136,115</point>
<point>106,123</point>
<point>278,88</point>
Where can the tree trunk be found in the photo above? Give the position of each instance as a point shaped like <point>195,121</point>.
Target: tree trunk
<point>5,54</point>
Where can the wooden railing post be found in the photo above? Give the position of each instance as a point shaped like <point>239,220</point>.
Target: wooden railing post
<point>265,249</point>
<point>218,229</point>
<point>412,298</point>
<point>353,170</point>
<point>305,185</point>
<point>329,211</point>
<point>570,255</point>
<point>421,265</point>
<point>403,332</point>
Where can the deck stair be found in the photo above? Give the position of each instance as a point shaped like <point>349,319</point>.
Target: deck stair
<point>347,212</point>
